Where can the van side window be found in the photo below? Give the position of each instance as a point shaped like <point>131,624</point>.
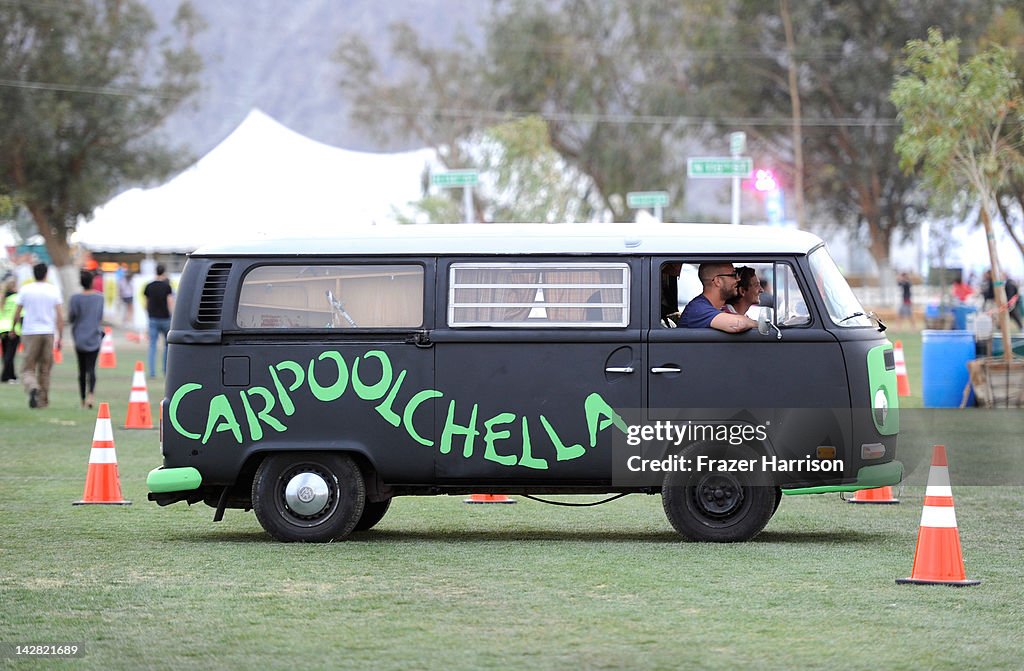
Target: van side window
<point>538,295</point>
<point>680,284</point>
<point>331,296</point>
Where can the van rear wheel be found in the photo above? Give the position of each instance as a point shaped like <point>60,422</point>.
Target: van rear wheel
<point>717,507</point>
<point>311,497</point>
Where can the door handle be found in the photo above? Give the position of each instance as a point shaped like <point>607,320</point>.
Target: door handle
<point>657,370</point>
<point>619,369</point>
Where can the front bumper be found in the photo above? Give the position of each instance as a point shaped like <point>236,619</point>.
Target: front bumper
<point>868,477</point>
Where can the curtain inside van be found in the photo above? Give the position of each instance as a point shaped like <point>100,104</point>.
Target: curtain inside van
<point>606,300</point>
<point>490,290</point>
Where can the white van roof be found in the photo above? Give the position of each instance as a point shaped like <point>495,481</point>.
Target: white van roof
<point>416,239</point>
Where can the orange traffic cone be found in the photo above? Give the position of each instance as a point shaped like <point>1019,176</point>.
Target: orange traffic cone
<point>878,495</point>
<point>488,498</point>
<point>101,482</point>
<point>58,356</point>
<point>108,358</point>
<point>139,416</point>
<point>938,559</point>
<point>902,381</point>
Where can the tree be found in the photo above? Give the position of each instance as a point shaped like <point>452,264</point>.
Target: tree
<point>573,64</point>
<point>624,87</point>
<point>1007,30</point>
<point>954,117</point>
<point>81,91</point>
<point>845,57</point>
<point>525,179</point>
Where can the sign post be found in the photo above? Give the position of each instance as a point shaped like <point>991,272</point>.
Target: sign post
<point>453,179</point>
<point>737,145</point>
<point>641,199</point>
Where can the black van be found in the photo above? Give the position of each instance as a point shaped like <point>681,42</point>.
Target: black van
<point>314,380</point>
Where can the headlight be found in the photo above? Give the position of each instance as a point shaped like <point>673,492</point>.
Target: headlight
<point>881,406</point>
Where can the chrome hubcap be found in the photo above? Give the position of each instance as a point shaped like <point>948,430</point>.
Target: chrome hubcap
<point>307,494</point>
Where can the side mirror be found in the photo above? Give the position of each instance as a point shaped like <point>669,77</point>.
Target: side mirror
<point>766,322</point>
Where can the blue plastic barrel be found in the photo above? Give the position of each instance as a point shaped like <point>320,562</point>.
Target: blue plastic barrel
<point>944,357</point>
<point>960,313</point>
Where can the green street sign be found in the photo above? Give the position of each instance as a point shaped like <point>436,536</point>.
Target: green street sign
<point>639,199</point>
<point>719,166</point>
<point>455,178</point>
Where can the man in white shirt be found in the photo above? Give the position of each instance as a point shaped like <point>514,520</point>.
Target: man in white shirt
<point>39,302</point>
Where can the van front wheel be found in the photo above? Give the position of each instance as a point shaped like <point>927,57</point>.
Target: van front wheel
<point>717,507</point>
<point>373,513</point>
<point>311,497</point>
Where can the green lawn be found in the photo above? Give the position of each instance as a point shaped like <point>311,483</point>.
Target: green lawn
<point>439,584</point>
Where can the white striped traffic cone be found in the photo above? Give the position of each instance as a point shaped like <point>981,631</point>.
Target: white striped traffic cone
<point>488,498</point>
<point>102,484</point>
<point>108,358</point>
<point>876,496</point>
<point>902,381</point>
<point>139,415</point>
<point>938,559</point>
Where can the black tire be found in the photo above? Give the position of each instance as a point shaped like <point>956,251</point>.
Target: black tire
<point>717,507</point>
<point>778,499</point>
<point>373,512</point>
<point>311,497</point>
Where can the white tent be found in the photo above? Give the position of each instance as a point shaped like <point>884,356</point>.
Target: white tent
<point>262,180</point>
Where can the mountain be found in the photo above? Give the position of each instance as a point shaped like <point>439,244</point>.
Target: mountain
<point>276,55</point>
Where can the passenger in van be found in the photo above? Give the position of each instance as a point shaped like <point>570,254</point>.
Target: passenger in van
<point>767,299</point>
<point>748,292</point>
<point>670,294</point>
<point>720,282</point>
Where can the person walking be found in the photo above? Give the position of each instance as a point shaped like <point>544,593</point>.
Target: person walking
<point>127,295</point>
<point>159,304</point>
<point>85,313</point>
<point>40,304</point>
<point>906,311</point>
<point>1013,302</point>
<point>10,332</point>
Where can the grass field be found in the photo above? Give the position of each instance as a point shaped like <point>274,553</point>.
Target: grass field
<point>438,584</point>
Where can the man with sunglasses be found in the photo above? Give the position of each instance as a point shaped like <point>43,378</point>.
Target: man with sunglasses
<point>720,282</point>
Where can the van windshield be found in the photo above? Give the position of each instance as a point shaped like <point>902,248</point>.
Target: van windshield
<point>840,301</point>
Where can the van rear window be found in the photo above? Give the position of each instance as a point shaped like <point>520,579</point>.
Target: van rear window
<point>332,297</point>
<point>538,295</point>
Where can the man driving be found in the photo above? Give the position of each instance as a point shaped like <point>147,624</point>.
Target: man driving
<point>720,282</point>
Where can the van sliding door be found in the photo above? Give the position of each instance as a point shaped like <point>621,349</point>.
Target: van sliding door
<point>534,357</point>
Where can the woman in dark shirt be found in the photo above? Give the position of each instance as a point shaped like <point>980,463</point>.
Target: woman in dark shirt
<point>85,313</point>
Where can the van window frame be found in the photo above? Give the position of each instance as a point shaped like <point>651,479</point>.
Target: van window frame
<point>446,294</point>
<point>229,313</point>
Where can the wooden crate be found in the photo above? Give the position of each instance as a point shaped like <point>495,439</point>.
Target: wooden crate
<point>998,383</point>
